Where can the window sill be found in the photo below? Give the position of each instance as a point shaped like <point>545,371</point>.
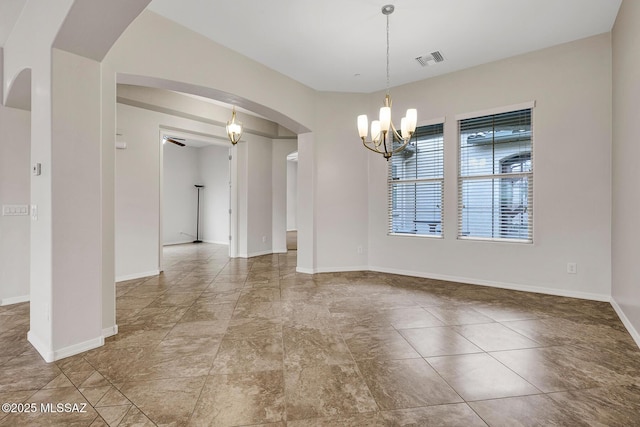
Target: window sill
<point>423,236</point>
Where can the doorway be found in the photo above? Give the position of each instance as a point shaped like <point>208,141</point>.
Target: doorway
<point>195,191</point>
<point>292,201</point>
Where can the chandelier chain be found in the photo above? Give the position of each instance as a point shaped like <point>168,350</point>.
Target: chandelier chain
<point>388,80</point>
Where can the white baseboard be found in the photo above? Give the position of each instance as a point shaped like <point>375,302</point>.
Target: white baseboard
<point>252,254</point>
<point>72,350</point>
<point>50,355</point>
<point>46,353</point>
<point>110,331</point>
<point>330,269</point>
<point>501,285</point>
<point>341,269</point>
<point>177,242</point>
<point>184,242</point>
<point>137,276</point>
<point>15,300</point>
<point>217,242</point>
<point>626,322</point>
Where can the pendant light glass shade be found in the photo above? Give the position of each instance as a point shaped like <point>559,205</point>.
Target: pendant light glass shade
<point>234,128</point>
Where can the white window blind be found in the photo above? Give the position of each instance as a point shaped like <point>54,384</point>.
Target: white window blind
<point>495,182</point>
<point>416,180</point>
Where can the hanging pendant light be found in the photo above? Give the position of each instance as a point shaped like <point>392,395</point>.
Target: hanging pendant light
<point>234,128</point>
<point>383,131</point>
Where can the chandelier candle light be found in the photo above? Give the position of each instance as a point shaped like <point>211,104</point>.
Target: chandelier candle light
<point>234,129</point>
<point>379,142</point>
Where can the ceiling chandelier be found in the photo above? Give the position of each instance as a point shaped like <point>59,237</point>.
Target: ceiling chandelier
<point>234,128</point>
<point>385,139</point>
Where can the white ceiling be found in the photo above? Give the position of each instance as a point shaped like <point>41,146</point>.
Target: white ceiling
<point>9,12</point>
<point>339,45</point>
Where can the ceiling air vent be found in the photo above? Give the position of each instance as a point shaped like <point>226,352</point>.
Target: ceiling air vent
<point>430,59</point>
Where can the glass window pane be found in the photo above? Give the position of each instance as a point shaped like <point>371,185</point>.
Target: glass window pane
<point>498,207</point>
<point>416,206</point>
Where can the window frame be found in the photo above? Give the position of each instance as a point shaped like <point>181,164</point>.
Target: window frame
<point>392,186</point>
<point>497,176</point>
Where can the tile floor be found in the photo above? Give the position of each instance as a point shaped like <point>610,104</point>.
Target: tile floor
<point>220,342</point>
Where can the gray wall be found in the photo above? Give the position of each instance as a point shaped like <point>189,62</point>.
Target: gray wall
<point>571,87</point>
<point>15,179</point>
<point>626,174</point>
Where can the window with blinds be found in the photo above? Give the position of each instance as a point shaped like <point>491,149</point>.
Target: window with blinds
<point>416,180</point>
<point>495,182</point>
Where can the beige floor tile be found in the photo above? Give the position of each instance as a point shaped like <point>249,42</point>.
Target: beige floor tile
<point>113,397</point>
<point>549,369</point>
<point>407,383</point>
<point>254,327</point>
<point>59,382</point>
<point>458,315</point>
<point>380,344</point>
<point>308,346</point>
<point>330,349</point>
<point>494,337</point>
<point>480,376</point>
<point>371,419</point>
<point>254,308</point>
<point>411,317</point>
<point>457,414</point>
<point>113,415</point>
<point>443,341</point>
<point>321,391</point>
<point>204,311</point>
<point>129,336</point>
<point>117,364</point>
<point>94,394</point>
<point>201,328</point>
<point>611,406</point>
<point>241,399</point>
<point>166,401</point>
<point>526,411</point>
<point>503,312</point>
<point>27,373</point>
<point>136,418</point>
<point>248,355</point>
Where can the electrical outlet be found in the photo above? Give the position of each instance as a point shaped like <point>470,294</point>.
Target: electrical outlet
<point>572,268</point>
<point>15,210</point>
<point>264,239</point>
<point>360,249</point>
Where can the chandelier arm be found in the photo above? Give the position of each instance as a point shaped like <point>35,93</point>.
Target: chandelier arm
<point>375,150</point>
<point>395,132</point>
<point>402,147</point>
<point>374,143</point>
<point>398,135</point>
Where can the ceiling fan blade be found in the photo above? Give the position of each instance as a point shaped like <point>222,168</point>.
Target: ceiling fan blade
<point>175,141</point>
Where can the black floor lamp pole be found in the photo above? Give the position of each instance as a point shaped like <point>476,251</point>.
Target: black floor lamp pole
<point>198,187</point>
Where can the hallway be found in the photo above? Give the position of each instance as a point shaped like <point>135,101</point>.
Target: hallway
<point>237,342</point>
